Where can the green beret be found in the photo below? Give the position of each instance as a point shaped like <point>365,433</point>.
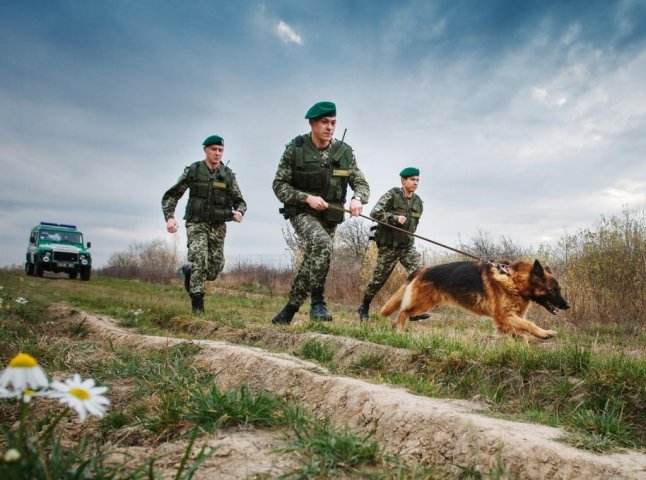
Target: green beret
<point>321,109</point>
<point>409,172</point>
<point>213,140</point>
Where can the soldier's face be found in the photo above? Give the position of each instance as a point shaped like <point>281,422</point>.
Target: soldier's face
<point>323,130</point>
<point>213,155</point>
<point>410,184</point>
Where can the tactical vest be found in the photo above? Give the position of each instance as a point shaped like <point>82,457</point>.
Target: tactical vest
<point>399,205</point>
<point>208,199</point>
<point>325,178</point>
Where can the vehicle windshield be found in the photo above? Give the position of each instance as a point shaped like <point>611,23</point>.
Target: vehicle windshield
<point>58,236</point>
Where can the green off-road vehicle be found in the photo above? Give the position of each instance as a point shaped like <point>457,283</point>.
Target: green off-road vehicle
<point>57,247</point>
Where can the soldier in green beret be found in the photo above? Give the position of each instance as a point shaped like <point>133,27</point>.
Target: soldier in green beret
<point>311,181</point>
<point>402,208</point>
<point>214,198</point>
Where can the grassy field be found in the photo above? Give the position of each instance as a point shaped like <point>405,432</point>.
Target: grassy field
<point>591,381</point>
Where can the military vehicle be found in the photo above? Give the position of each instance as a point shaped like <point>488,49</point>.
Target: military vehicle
<point>58,247</point>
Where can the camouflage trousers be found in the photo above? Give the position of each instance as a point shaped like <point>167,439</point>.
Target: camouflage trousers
<point>387,258</point>
<point>312,273</point>
<point>205,252</point>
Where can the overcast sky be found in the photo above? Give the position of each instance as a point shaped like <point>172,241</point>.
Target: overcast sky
<point>527,119</point>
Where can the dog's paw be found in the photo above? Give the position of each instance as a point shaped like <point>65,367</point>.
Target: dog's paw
<point>548,334</point>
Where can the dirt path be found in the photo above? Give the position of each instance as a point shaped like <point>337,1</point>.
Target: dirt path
<point>422,429</point>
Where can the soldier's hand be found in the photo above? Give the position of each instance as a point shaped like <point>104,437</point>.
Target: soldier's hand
<point>171,225</point>
<point>317,203</point>
<point>356,207</point>
<point>401,219</point>
<point>237,216</point>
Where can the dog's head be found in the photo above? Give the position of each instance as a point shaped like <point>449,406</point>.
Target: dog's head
<point>545,289</point>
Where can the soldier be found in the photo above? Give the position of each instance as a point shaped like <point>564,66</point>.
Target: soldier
<point>311,181</point>
<point>402,208</point>
<point>214,198</point>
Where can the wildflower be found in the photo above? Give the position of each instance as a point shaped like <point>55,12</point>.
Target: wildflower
<point>4,393</point>
<point>11,455</point>
<point>21,300</point>
<point>81,395</point>
<point>23,372</point>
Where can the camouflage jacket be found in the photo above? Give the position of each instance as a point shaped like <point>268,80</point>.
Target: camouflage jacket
<point>288,194</point>
<point>174,193</point>
<point>383,210</point>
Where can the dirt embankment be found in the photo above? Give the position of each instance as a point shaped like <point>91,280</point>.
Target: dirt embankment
<point>422,429</point>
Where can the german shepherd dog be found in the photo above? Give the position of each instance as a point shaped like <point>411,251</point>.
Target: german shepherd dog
<point>480,287</point>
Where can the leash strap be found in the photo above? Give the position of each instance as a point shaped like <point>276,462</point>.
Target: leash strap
<point>502,268</point>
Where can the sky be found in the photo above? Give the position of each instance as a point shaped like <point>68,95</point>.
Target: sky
<point>526,118</point>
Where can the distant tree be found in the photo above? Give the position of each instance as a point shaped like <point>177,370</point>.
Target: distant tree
<point>353,238</point>
<point>485,247</point>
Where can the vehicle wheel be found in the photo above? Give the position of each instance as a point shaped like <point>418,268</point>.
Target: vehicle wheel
<point>85,274</point>
<point>29,268</point>
<point>38,269</point>
<point>73,275</point>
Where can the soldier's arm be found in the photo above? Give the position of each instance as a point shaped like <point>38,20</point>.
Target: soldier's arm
<point>380,210</point>
<point>237,202</point>
<point>173,194</point>
<point>282,182</point>
<point>358,182</point>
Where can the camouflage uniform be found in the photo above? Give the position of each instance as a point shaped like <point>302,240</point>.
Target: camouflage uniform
<point>392,250</point>
<point>310,225</point>
<point>205,239</point>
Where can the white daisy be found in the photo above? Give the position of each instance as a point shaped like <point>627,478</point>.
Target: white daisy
<point>81,395</point>
<point>24,395</point>
<point>11,455</point>
<point>23,373</point>
<point>21,300</point>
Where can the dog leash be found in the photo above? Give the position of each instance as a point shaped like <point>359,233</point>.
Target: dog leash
<point>501,267</point>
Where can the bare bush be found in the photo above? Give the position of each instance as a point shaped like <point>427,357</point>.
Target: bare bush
<point>295,245</point>
<point>605,270</point>
<point>352,237</point>
<point>485,247</point>
<point>253,275</point>
<point>154,261</point>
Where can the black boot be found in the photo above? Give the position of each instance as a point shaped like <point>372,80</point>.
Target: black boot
<point>318,310</point>
<point>417,318</point>
<point>197,303</point>
<point>284,317</point>
<point>364,308</point>
<point>187,269</point>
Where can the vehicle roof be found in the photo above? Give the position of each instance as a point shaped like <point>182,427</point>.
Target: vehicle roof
<point>56,226</point>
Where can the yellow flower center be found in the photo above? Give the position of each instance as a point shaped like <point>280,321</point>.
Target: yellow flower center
<point>23,360</point>
<point>79,393</point>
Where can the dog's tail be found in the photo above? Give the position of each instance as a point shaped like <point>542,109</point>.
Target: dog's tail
<point>394,302</point>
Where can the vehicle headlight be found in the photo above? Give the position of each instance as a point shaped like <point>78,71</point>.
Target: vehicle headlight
<point>46,257</point>
<point>83,261</point>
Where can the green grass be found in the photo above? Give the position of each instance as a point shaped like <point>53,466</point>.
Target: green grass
<point>315,350</point>
<point>326,452</point>
<point>583,381</point>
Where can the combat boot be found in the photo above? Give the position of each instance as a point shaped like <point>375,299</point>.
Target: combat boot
<point>187,269</point>
<point>197,303</point>
<point>285,316</point>
<point>318,310</point>
<point>364,316</point>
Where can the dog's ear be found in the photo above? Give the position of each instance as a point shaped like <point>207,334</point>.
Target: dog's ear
<point>537,269</point>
